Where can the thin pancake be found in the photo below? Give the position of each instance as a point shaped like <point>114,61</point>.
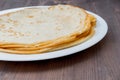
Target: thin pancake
<point>74,37</point>
<point>13,51</point>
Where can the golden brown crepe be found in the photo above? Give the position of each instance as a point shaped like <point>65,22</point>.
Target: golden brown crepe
<point>38,30</point>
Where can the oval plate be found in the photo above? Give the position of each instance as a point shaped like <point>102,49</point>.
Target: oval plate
<point>101,30</point>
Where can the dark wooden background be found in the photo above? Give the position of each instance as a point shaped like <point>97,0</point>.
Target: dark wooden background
<point>100,62</point>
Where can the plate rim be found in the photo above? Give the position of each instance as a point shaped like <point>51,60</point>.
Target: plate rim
<point>58,53</point>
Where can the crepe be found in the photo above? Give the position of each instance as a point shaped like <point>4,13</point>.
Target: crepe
<point>63,46</point>
<point>38,30</point>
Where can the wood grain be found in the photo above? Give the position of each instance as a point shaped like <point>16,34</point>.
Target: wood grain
<point>100,62</point>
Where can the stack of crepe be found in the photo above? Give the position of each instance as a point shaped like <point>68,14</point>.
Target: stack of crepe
<point>39,30</point>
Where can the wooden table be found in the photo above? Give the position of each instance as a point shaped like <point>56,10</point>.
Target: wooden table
<point>100,62</point>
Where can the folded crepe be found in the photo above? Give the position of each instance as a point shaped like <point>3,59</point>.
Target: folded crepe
<point>39,30</point>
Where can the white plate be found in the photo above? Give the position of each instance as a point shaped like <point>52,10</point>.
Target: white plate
<point>101,30</point>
